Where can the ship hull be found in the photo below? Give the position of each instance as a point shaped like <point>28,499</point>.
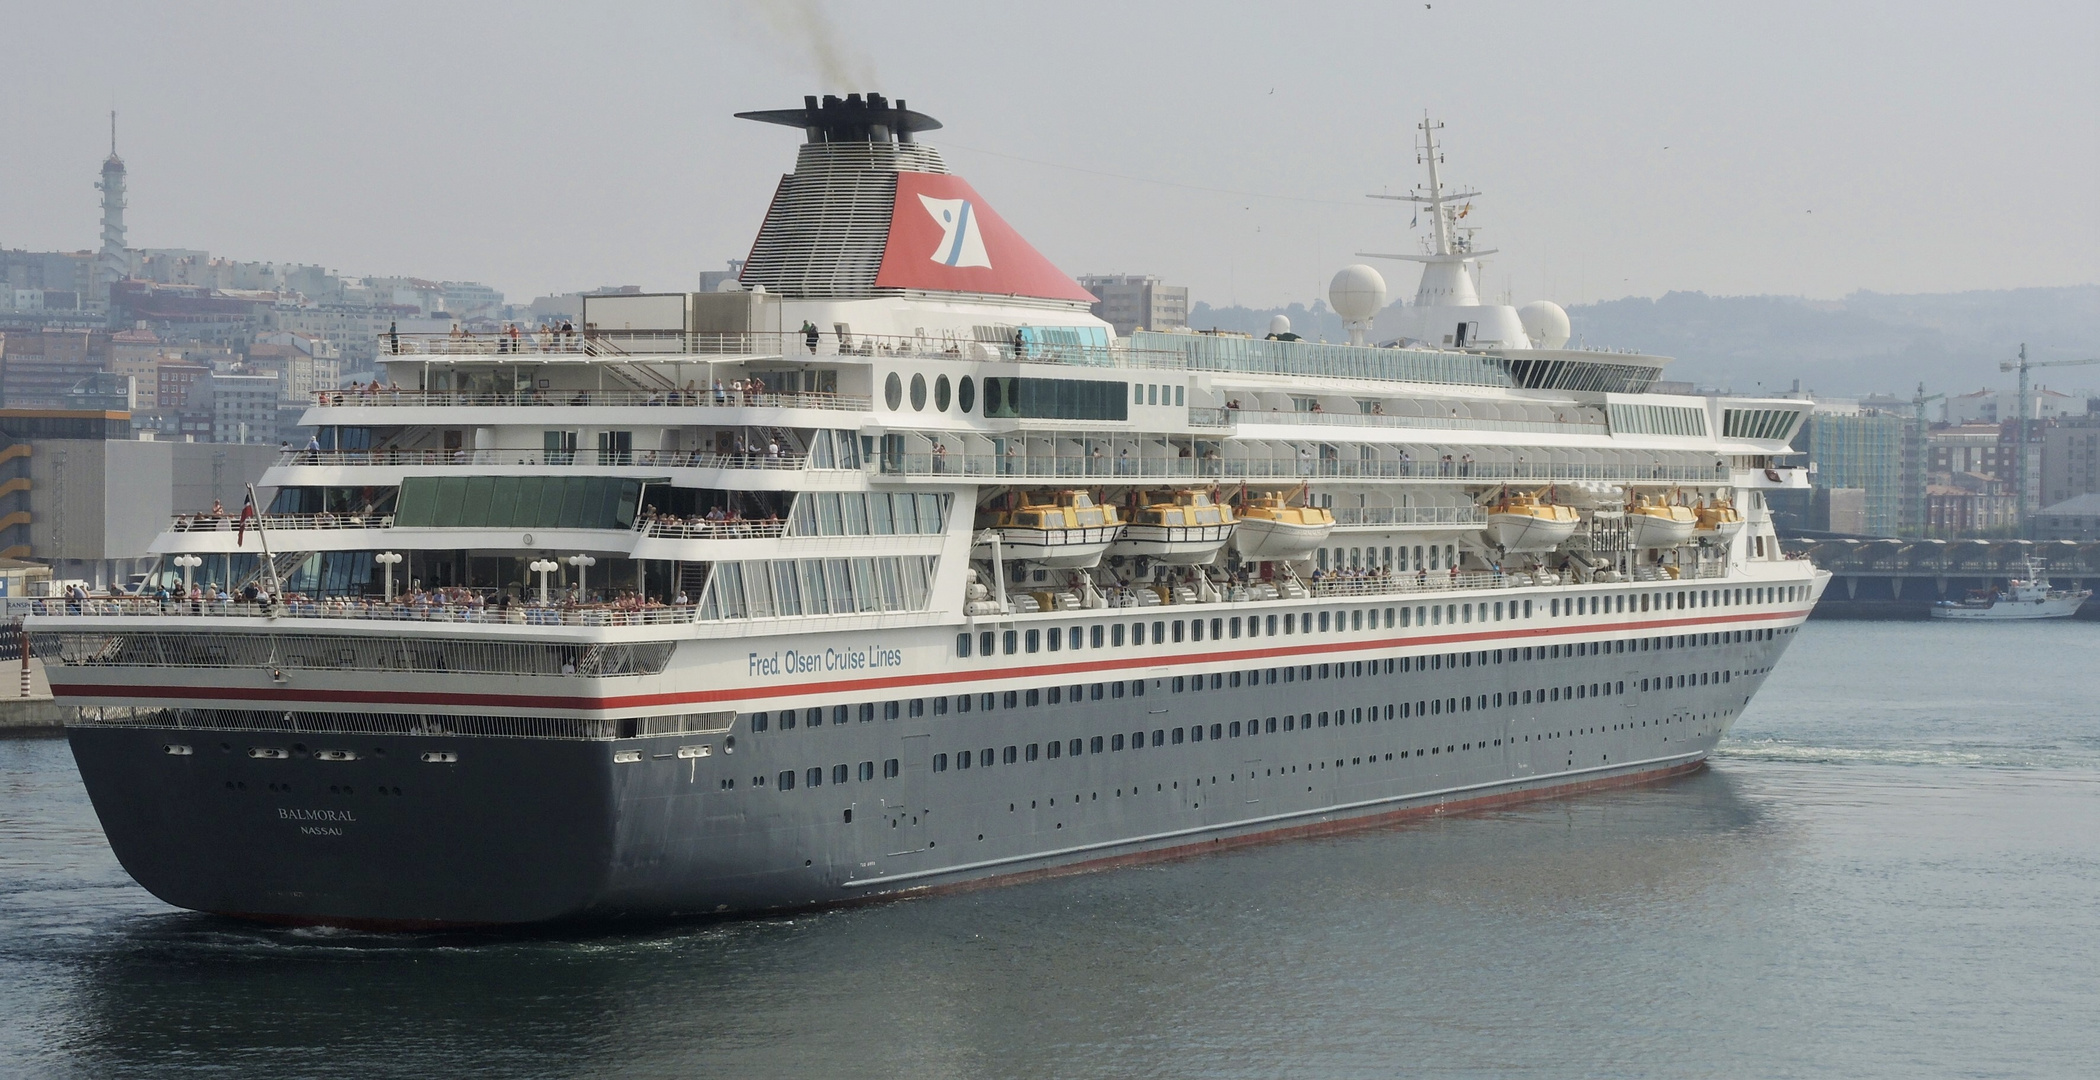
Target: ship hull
<point>524,830</point>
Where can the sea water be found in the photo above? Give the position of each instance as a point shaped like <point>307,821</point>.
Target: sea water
<point>1891,869</point>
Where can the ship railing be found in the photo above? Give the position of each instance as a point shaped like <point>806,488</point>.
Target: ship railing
<point>372,608</point>
<point>194,523</point>
<point>1143,351</point>
<point>1110,467</point>
<point>577,458</point>
<point>768,343</point>
<point>711,530</point>
<point>1409,515</point>
<point>1412,582</point>
<point>1395,420</point>
<point>355,397</point>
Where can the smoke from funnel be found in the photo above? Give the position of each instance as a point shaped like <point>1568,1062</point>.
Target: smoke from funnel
<point>808,28</point>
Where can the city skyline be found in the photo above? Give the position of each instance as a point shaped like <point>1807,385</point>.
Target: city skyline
<point>1628,152</point>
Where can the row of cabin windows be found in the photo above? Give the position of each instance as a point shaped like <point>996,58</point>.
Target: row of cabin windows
<point>1431,557</point>
<point>816,715</point>
<point>1161,631</point>
<point>840,774</point>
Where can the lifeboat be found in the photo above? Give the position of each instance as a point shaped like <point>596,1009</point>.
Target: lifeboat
<point>1718,520</point>
<point>1270,529</point>
<point>1654,523</point>
<point>1526,522</point>
<point>1187,527</point>
<point>1070,531</point>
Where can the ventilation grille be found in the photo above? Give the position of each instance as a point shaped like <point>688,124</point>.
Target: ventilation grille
<point>830,220</point>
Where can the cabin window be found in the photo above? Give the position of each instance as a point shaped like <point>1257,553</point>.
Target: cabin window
<point>1034,698</point>
<point>1035,640</point>
<point>1012,640</point>
<point>1115,636</point>
<point>1032,752</point>
<point>1094,745</point>
<point>1195,629</point>
<point>1159,633</point>
<point>1057,640</point>
<point>962,645</point>
<point>1235,625</point>
<point>1178,624</point>
<point>1178,736</point>
<point>1057,749</point>
<point>1270,626</point>
<point>1290,624</point>
<point>758,722</point>
<point>1094,635</point>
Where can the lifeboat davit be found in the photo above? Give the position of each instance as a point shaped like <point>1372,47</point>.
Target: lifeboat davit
<point>1185,528</point>
<point>1654,523</point>
<point>1527,522</point>
<point>1069,531</point>
<point>1718,520</point>
<point>1271,529</point>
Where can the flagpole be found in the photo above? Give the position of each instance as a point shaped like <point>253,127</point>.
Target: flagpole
<point>269,563</point>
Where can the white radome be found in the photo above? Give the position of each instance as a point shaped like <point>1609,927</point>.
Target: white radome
<point>1545,323</point>
<point>1279,325</point>
<point>1357,293</point>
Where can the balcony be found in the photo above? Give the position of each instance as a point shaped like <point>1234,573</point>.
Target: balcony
<point>201,523</point>
<point>580,459</point>
<point>1074,467</point>
<point>725,399</point>
<point>370,608</point>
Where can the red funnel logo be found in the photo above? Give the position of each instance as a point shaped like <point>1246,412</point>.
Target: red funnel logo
<point>944,238</point>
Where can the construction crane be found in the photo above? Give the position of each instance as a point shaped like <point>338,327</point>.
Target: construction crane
<point>2025,435</point>
<point>1917,466</point>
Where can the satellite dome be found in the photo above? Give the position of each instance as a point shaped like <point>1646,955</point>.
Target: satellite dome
<point>1545,323</point>
<point>1357,293</point>
<point>1279,325</point>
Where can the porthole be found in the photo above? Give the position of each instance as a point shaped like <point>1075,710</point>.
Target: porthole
<point>965,394</point>
<point>940,394</point>
<point>918,393</point>
<point>893,392</point>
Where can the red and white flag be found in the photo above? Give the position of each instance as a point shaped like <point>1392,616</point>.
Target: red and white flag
<point>240,529</point>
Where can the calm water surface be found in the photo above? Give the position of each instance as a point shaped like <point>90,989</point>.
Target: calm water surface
<point>1891,870</point>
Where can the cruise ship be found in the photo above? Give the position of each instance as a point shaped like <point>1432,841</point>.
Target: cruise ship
<point>890,568</point>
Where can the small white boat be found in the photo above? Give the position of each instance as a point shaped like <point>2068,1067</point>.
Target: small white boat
<point>1186,528</point>
<point>1652,523</point>
<point>1526,522</point>
<point>2026,598</point>
<point>1071,531</point>
<point>1269,529</point>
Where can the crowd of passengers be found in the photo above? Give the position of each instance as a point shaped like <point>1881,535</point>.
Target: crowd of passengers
<point>444,604</point>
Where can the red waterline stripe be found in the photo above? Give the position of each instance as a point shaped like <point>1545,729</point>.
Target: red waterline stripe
<point>632,701</point>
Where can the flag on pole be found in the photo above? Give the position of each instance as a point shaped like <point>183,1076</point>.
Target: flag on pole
<point>240,533</point>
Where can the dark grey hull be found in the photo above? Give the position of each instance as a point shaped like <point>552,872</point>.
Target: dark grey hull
<point>522,830</point>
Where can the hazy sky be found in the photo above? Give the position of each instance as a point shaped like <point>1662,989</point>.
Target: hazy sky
<point>1626,149</point>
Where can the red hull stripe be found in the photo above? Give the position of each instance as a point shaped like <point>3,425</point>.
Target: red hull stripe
<point>891,682</point>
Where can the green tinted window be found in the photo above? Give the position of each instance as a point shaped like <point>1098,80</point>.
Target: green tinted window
<point>518,502</point>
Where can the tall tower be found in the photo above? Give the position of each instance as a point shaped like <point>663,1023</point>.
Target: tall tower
<point>114,263</point>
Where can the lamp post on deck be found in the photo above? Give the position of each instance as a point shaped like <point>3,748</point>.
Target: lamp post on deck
<point>188,563</point>
<point>388,559</point>
<point>543,567</point>
<point>582,563</point>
